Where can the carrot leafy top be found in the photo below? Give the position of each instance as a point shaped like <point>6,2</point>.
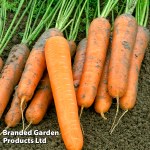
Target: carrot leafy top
<point>142,12</point>
<point>33,26</point>
<point>76,21</point>
<point>6,35</point>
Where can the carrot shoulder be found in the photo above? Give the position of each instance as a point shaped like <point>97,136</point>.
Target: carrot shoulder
<point>58,62</point>
<point>11,73</point>
<point>128,101</point>
<point>97,44</point>
<point>124,34</point>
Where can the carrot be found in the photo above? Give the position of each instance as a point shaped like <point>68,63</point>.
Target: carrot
<point>122,46</point>
<point>103,100</point>
<point>40,102</point>
<point>61,80</point>
<point>97,44</point>
<point>127,102</point>
<point>123,40</point>
<point>79,62</point>
<point>11,73</point>
<point>1,63</point>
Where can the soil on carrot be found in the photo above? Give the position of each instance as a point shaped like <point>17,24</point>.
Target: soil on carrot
<point>133,131</point>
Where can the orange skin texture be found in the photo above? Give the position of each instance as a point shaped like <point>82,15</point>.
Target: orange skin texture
<point>1,63</point>
<point>35,66</point>
<point>128,101</point>
<point>124,35</point>
<point>103,100</point>
<point>79,62</point>
<point>11,73</point>
<point>97,44</point>
<point>73,47</point>
<point>13,115</point>
<point>58,60</point>
<point>40,102</point>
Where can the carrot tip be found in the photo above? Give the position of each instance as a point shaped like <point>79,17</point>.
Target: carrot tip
<point>81,110</point>
<point>103,116</point>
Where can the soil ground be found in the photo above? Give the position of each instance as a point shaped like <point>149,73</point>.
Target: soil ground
<point>133,132</point>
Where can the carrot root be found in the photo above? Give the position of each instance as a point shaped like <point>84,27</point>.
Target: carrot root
<point>21,105</point>
<point>118,121</point>
<point>103,116</point>
<point>28,126</point>
<point>117,111</point>
<point>81,110</point>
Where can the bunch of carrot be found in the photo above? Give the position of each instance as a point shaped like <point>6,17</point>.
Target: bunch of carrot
<point>102,69</point>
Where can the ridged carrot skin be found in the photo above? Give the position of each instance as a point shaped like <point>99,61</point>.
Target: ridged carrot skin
<point>40,102</point>
<point>124,35</point>
<point>103,100</point>
<point>73,47</point>
<point>11,73</point>
<point>79,62</point>
<point>128,101</point>
<point>97,44</point>
<point>34,67</point>
<point>13,115</point>
<point>58,60</point>
<point>1,64</point>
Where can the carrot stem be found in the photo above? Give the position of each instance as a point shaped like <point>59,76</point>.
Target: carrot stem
<point>130,6</point>
<point>76,21</point>
<point>64,14</point>
<point>142,11</point>
<point>108,8</point>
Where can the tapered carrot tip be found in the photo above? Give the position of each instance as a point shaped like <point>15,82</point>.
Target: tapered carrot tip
<point>81,110</point>
<point>103,116</point>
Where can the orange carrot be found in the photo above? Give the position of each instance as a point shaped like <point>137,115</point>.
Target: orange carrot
<point>1,63</point>
<point>128,101</point>
<point>103,100</point>
<point>124,34</point>
<point>79,62</point>
<point>40,102</point>
<point>11,73</point>
<point>58,62</point>
<point>97,44</point>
